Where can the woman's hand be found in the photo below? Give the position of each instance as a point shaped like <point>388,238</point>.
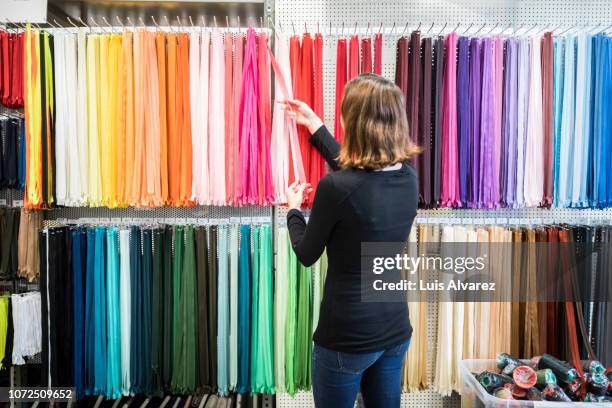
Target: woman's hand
<point>295,194</point>
<point>303,114</point>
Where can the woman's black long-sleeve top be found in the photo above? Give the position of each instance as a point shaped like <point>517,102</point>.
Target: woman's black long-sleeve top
<point>352,206</point>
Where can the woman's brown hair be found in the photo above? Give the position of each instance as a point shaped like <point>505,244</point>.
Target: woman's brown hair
<point>375,124</point>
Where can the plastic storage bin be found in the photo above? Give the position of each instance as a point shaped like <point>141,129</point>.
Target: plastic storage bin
<point>474,395</point>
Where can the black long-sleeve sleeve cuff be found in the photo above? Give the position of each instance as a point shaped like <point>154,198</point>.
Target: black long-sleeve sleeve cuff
<point>295,215</point>
<point>325,143</point>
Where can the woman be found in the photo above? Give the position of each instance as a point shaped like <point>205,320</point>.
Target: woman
<point>371,196</point>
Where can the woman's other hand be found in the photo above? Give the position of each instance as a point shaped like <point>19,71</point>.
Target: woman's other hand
<point>295,194</point>
<point>303,114</point>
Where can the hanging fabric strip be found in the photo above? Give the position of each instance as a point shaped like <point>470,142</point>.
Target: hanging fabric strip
<point>184,122</point>
<point>412,102</point>
<point>582,124</point>
<point>237,82</point>
<point>366,55</point>
<point>567,122</point>
<point>317,163</point>
<point>244,310</point>
<point>425,123</point>
<point>223,323</point>
<point>378,54</point>
<point>127,108</point>
<point>266,188</point>
<point>125,309</point>
<point>547,115</point>
<point>160,49</point>
<point>509,128</point>
<point>61,119</point>
<point>522,106</point>
<point>229,118</point>
<point>463,116</point>
<point>203,152</point>
<point>296,158</point>
<point>196,102</point>
<point>280,307</point>
<point>233,296</point>
<point>305,94</point>
<point>450,181</point>
<point>353,59</point>
<point>534,165</point>
<point>498,75</point>
<point>249,130</point>
<point>93,87</point>
<point>475,100</point>
<point>487,124</point>
<point>341,78</point>
<point>438,119</point>
<point>113,381</point>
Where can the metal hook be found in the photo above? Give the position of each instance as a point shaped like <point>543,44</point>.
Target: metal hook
<point>227,23</point>
<point>405,28</point>
<point>293,27</point>
<point>515,30</point>
<point>260,22</point>
<point>418,27</point>
<point>121,22</point>
<point>392,29</point>
<point>215,21</point>
<point>543,30</point>
<point>95,23</point>
<point>155,23</point>
<point>168,23</point>
<point>342,34</point>
<point>605,29</point>
<point>180,23</point>
<point>355,30</point>
<point>318,28</point>
<point>432,24</point>
<point>483,26</point>
<point>130,22</point>
<point>203,20</point>
<point>445,24</point>
<point>456,28</point>
<point>142,21</point>
<point>468,29</point>
<point>107,23</point>
<point>305,27</point>
<point>367,29</point>
<point>494,27</point>
<point>191,21</point>
<point>595,28</point>
<point>528,31</point>
<point>566,30</point>
<point>380,28</point>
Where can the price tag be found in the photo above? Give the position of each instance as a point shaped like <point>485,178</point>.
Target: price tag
<point>247,220</point>
<point>502,221</point>
<point>234,220</point>
<point>468,221</point>
<point>62,221</point>
<point>224,221</point>
<point>191,221</point>
<point>2,201</point>
<point>513,221</point>
<point>17,203</point>
<point>115,220</point>
<point>489,221</point>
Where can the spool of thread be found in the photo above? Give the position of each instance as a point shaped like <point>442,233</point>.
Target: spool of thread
<point>545,377</point>
<point>524,376</point>
<point>562,370</point>
<point>533,394</point>
<point>508,370</point>
<point>518,392</point>
<point>504,359</point>
<point>572,389</point>
<point>555,393</point>
<point>593,367</point>
<point>491,381</point>
<point>503,393</point>
<point>597,383</point>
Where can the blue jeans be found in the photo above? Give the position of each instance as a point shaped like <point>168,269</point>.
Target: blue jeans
<point>337,377</point>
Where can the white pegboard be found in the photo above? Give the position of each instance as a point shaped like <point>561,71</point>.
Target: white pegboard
<point>319,14</point>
